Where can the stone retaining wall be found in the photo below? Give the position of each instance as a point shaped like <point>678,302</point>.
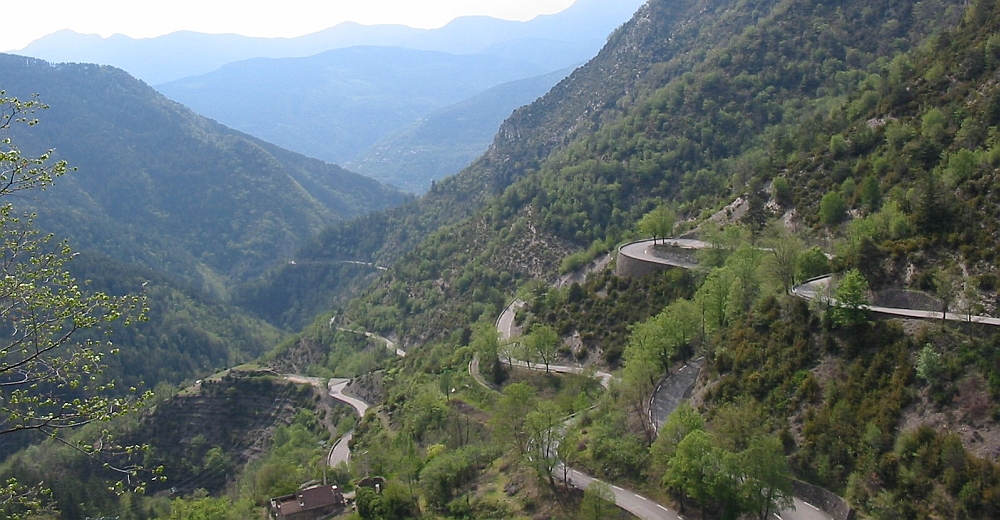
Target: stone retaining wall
<point>667,256</point>
<point>823,499</point>
<point>629,267</point>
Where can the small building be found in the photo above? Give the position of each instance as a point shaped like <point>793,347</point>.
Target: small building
<point>376,483</point>
<point>311,503</point>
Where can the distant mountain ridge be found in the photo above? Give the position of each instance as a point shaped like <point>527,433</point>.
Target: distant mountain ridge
<point>447,140</point>
<point>556,41</point>
<point>341,95</point>
<point>334,104</point>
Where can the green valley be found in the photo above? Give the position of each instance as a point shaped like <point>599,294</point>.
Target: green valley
<point>799,167</point>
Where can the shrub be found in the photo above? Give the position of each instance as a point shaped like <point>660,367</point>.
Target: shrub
<point>832,209</point>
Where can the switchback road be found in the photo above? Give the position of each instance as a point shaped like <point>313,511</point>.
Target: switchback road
<point>818,288</point>
<point>389,344</point>
<point>340,451</point>
<point>672,391</point>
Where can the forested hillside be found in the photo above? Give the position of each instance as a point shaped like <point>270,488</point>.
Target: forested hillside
<point>574,105</point>
<point>157,185</point>
<point>168,204</point>
<point>863,128</point>
<point>664,112</point>
<point>796,138</point>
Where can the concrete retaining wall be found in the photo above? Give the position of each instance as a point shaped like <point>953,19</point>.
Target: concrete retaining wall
<point>823,499</point>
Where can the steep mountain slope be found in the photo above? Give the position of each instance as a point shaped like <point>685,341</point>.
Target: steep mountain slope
<point>574,106</point>
<point>551,41</point>
<point>875,123</point>
<point>875,126</point>
<point>445,141</point>
<point>690,113</point>
<point>169,204</point>
<point>160,186</point>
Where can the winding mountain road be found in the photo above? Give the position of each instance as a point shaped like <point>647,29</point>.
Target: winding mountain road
<point>389,344</point>
<point>667,396</point>
<point>636,504</point>
<point>507,330</point>
<point>341,452</point>
<point>672,391</point>
<point>645,250</point>
<point>817,288</point>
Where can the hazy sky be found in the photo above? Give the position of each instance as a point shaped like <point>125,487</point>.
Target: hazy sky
<point>146,18</point>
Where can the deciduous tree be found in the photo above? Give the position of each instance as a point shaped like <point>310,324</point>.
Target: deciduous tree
<point>544,425</point>
<point>542,343</point>
<point>508,421</point>
<point>692,469</point>
<point>598,502</point>
<point>658,223</point>
<point>832,208</point>
<point>766,483</point>
<point>782,257</point>
<point>852,299</point>
<point>947,284</point>
<point>53,346</point>
<point>486,343</point>
<point>679,424</point>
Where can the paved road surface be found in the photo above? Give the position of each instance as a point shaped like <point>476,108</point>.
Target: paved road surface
<point>636,504</point>
<point>645,251</point>
<point>563,369</point>
<point>505,323</point>
<point>817,289</point>
<point>803,511</point>
<point>341,452</point>
<point>672,391</point>
<point>337,392</point>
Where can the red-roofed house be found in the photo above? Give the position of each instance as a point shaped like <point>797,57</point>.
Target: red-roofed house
<point>311,503</point>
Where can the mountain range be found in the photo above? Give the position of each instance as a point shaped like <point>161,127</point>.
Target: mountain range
<point>553,41</point>
<point>355,94</point>
<point>334,104</point>
<point>443,142</point>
